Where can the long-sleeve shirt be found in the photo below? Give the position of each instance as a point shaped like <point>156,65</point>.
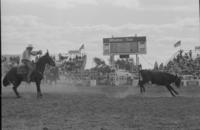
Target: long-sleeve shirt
<point>27,55</point>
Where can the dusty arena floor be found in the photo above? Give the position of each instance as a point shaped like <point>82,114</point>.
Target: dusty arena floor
<point>68,107</point>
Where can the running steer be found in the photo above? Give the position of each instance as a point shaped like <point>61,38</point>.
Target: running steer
<point>159,78</point>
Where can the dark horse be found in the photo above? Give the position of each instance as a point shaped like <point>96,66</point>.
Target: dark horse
<point>15,77</point>
<point>159,78</point>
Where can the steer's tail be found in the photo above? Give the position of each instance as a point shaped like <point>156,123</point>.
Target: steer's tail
<point>6,81</point>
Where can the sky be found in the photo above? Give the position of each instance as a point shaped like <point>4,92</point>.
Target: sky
<point>63,25</point>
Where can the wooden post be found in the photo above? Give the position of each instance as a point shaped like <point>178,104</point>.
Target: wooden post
<point>137,61</point>
<point>112,60</point>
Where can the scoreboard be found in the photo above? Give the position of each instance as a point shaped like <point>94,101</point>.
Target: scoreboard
<point>124,45</point>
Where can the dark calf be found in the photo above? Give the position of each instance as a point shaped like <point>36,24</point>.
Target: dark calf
<point>159,78</point>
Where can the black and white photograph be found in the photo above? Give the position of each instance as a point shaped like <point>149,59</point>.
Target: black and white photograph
<point>100,64</point>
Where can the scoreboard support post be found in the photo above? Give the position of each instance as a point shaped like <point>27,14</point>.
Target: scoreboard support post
<point>137,60</point>
<point>112,60</point>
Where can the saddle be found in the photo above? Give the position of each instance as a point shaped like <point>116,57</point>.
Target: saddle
<point>22,69</point>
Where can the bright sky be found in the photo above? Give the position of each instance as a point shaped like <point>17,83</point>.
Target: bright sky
<point>62,25</point>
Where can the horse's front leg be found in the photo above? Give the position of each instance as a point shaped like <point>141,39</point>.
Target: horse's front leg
<point>39,93</point>
<point>141,85</point>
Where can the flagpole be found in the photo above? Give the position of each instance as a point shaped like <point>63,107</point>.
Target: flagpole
<point>181,47</point>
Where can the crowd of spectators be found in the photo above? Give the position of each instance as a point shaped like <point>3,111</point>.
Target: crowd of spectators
<point>184,64</point>
<point>7,62</point>
<point>11,59</point>
<point>74,63</point>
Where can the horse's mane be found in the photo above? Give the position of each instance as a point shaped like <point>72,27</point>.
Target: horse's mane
<point>39,60</point>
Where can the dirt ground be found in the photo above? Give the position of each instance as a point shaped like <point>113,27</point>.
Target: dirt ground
<point>68,107</point>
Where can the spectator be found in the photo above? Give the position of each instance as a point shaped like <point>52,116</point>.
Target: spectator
<point>190,54</point>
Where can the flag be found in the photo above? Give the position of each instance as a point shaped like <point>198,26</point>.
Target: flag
<point>82,47</point>
<point>177,44</point>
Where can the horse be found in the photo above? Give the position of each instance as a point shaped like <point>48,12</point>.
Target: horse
<point>18,74</point>
<point>159,78</point>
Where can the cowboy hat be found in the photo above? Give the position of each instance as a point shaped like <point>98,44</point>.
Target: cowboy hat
<point>29,46</point>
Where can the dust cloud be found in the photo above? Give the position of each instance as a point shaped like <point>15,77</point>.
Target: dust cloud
<point>70,87</point>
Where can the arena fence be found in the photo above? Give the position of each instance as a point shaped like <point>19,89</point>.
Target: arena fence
<point>193,82</point>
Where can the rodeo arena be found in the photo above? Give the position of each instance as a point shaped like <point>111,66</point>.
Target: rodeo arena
<point>119,87</point>
<point>56,91</point>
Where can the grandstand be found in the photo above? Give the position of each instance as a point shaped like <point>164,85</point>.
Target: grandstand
<point>184,63</point>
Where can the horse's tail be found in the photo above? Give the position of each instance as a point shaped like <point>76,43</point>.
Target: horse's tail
<point>6,81</point>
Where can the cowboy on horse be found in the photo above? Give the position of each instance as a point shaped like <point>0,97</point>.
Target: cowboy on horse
<point>26,59</point>
<point>17,74</point>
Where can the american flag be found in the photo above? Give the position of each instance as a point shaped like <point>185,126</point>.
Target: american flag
<point>82,47</point>
<point>178,43</point>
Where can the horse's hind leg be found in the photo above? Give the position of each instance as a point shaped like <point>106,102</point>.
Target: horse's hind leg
<point>15,86</point>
